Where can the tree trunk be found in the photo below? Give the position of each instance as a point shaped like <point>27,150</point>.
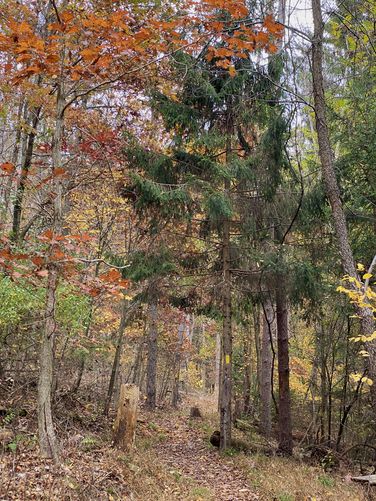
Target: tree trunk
<point>47,437</point>
<point>247,379</point>
<point>151,370</point>
<point>117,357</point>
<point>15,157</point>
<point>177,360</point>
<point>226,388</point>
<point>17,209</point>
<point>331,183</point>
<point>218,357</point>
<point>126,419</point>
<point>257,328</point>
<point>266,369</point>
<point>138,363</point>
<point>80,373</point>
<point>284,401</point>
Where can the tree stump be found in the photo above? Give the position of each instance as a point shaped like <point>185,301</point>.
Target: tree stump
<point>126,419</point>
<point>195,413</point>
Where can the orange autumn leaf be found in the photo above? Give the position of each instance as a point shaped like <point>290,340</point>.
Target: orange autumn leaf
<point>90,53</point>
<point>37,260</point>
<point>272,26</point>
<point>66,16</point>
<point>8,167</point>
<point>111,276</point>
<point>59,171</point>
<point>48,235</point>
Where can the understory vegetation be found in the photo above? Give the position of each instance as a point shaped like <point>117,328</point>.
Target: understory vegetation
<point>187,250</point>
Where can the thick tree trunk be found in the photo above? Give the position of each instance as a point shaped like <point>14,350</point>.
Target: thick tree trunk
<point>331,183</point>
<point>268,332</point>
<point>126,419</point>
<point>284,400</point>
<point>151,370</point>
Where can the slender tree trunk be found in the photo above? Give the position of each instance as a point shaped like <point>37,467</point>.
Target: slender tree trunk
<point>151,370</point>
<point>17,209</point>
<point>175,390</point>
<point>284,401</point>
<point>266,369</point>
<point>15,157</point>
<point>257,329</point>
<point>247,380</point>
<point>218,358</point>
<point>225,416</point>
<point>117,357</point>
<point>324,399</point>
<point>47,437</point>
<point>226,360</point>
<point>138,363</point>
<point>331,183</point>
<point>81,369</point>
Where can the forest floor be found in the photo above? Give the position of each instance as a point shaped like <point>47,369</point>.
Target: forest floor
<point>173,460</point>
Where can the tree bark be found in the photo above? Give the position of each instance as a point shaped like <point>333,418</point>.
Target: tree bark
<point>266,369</point>
<point>15,157</point>
<point>331,184</point>
<point>284,400</point>
<point>177,361</point>
<point>47,438</point>
<point>126,419</point>
<point>218,358</point>
<point>247,379</point>
<point>151,369</point>
<point>17,209</point>
<point>226,387</point>
<point>138,363</point>
<point>81,369</point>
<point>257,329</point>
<point>117,357</point>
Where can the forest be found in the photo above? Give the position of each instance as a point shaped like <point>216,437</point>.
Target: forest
<point>187,250</point>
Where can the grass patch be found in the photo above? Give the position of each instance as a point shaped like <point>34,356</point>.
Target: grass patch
<point>200,492</point>
<point>287,479</point>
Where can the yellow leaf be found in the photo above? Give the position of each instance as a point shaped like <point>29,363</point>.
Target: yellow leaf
<point>364,353</point>
<point>367,380</point>
<point>355,339</point>
<point>360,267</point>
<point>367,275</point>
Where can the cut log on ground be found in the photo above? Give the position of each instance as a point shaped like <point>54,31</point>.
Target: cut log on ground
<point>366,479</point>
<point>126,419</point>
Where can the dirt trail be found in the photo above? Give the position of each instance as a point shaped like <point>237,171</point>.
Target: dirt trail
<point>186,452</point>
